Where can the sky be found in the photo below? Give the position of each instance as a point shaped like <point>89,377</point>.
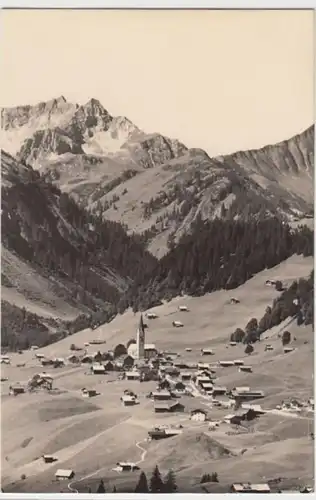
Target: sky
<point>218,80</point>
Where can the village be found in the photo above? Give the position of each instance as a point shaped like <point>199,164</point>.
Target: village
<point>169,394</point>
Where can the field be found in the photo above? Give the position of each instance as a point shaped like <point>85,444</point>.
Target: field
<point>91,435</point>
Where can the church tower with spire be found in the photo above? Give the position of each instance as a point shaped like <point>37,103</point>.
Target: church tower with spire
<point>141,339</point>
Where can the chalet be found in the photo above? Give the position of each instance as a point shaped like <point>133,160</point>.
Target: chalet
<point>238,362</point>
<point>233,300</point>
<point>232,343</point>
<point>64,474</point>
<point>133,375</point>
<point>39,356</point>
<point>17,389</point>
<point>98,369</point>
<point>127,466</point>
<point>150,351</point>
<point>188,349</point>
<point>73,359</point>
<point>89,393</point>
<point>151,315</point>
<point>58,362</point>
<point>47,362</point>
<point>207,386</point>
<point>203,366</point>
<point>183,308</point>
<point>245,369</point>
<point>270,282</point>
<point>161,407</point>
<point>87,359</point>
<point>34,347</point>
<point>171,354</point>
<point>181,365</point>
<point>109,366</point>
<point>226,364</point>
<point>162,395</point>
<point>201,380</point>
<point>250,488</point>
<point>87,344</point>
<point>248,395</point>
<point>256,408</point>
<point>288,349</point>
<point>176,407</point>
<point>198,415</point>
<point>128,400</point>
<point>159,433</point>
<point>177,324</point>
<point>185,376</point>
<point>5,359</point>
<point>268,347</point>
<point>219,390</point>
<point>206,352</point>
<point>241,389</point>
<point>48,459</point>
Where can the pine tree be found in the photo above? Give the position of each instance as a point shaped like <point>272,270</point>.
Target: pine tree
<point>101,488</point>
<point>142,485</point>
<point>156,483</point>
<point>114,489</point>
<point>170,483</point>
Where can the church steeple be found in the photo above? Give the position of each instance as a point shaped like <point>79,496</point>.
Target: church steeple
<point>141,339</point>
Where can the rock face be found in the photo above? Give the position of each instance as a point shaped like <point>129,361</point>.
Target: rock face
<point>154,184</point>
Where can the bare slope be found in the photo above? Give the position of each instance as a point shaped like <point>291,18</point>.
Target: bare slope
<point>91,436</point>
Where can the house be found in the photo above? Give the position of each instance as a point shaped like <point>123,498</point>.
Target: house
<point>219,390</point>
<point>15,390</point>
<point>34,347</point>
<point>127,466</point>
<point>250,488</point>
<point>183,308</point>
<point>151,315</point>
<point>162,395</point>
<point>232,343</point>
<point>268,347</point>
<point>225,364</point>
<point>134,375</point>
<point>203,366</point>
<point>233,300</point>
<point>256,408</point>
<point>245,368</point>
<point>39,356</point>
<point>248,395</point>
<point>241,389</point>
<point>177,324</point>
<point>288,349</point>
<point>150,351</point>
<point>207,386</point>
<point>159,433</point>
<point>238,362</point>
<point>172,371</point>
<point>5,359</point>
<point>64,474</point>
<point>188,349</point>
<point>73,359</point>
<point>89,393</point>
<point>48,459</point>
<point>185,376</point>
<point>98,369</point>
<point>206,352</point>
<point>47,362</point>
<point>270,282</point>
<point>128,400</point>
<point>87,359</point>
<point>180,364</point>
<point>198,415</point>
<point>176,407</point>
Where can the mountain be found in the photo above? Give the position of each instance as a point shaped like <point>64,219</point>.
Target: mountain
<point>59,262</point>
<point>156,186</point>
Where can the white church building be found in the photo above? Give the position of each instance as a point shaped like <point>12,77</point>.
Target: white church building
<point>141,350</point>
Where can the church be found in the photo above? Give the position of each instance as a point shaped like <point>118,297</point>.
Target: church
<point>141,350</point>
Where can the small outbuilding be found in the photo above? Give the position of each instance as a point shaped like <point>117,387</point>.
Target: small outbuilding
<point>133,375</point>
<point>98,369</point>
<point>64,474</point>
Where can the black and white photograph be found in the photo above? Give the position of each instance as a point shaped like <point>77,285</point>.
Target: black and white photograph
<point>157,251</point>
